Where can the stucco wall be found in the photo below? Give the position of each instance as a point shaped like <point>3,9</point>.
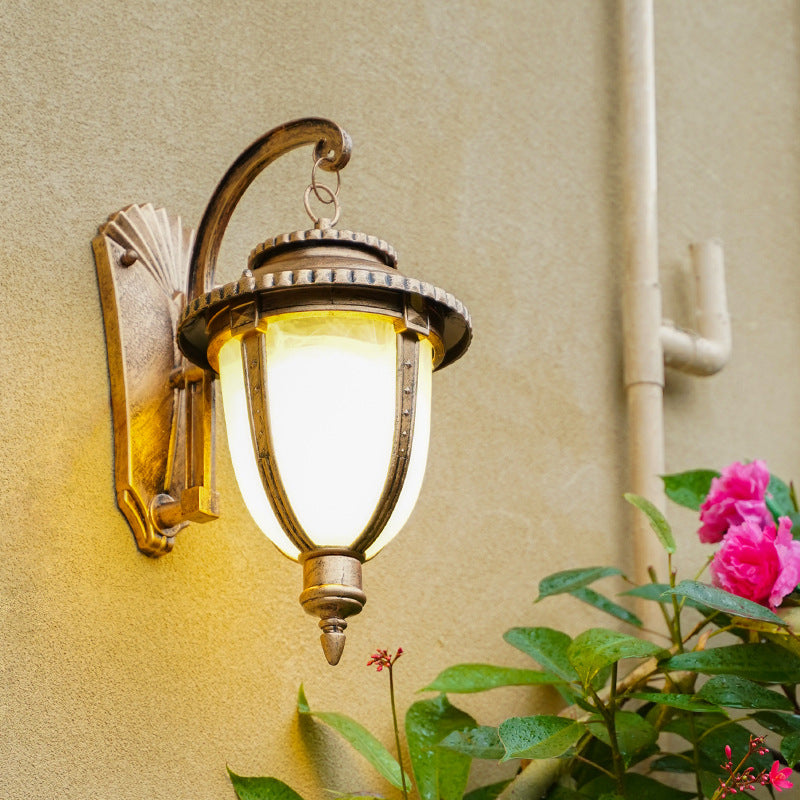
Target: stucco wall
<point>487,149</point>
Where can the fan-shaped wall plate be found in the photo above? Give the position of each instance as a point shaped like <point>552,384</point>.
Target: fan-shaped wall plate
<point>142,258</point>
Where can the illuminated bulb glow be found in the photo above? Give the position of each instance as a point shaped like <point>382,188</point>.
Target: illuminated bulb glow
<point>240,443</point>
<point>331,388</point>
<point>331,384</point>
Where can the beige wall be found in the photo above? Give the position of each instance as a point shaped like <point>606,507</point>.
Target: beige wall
<point>487,150</point>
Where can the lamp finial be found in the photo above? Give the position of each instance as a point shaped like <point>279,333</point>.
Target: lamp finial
<point>332,591</point>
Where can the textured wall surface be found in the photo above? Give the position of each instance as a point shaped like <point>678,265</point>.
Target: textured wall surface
<point>487,149</point>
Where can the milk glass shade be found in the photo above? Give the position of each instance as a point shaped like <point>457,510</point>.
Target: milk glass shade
<point>331,395</point>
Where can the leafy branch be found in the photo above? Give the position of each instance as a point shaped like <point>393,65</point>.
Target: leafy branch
<point>622,690</point>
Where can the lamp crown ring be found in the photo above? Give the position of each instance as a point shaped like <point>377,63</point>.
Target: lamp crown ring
<point>316,186</point>
<point>322,222</point>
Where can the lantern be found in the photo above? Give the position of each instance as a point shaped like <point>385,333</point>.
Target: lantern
<point>324,353</point>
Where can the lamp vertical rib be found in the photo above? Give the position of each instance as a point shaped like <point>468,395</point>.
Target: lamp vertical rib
<point>408,352</point>
<point>254,363</point>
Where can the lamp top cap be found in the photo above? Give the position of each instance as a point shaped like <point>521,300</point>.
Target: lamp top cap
<point>323,237</point>
<point>320,268</point>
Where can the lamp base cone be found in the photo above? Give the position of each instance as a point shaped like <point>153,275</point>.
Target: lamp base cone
<point>332,645</point>
<point>332,591</point>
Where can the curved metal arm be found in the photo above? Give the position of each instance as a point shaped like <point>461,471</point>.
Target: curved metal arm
<point>332,144</point>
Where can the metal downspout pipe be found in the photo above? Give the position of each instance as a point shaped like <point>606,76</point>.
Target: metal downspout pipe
<point>649,343</point>
<point>641,301</point>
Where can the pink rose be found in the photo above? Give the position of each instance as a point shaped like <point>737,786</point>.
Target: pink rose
<point>789,556</point>
<point>759,564</point>
<point>735,497</point>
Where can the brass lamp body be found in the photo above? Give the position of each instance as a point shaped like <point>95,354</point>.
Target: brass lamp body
<point>166,325</point>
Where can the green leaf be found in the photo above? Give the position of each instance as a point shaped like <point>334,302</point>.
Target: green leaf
<point>302,703</point>
<point>261,788</point>
<point>546,646</point>
<point>634,734</point>
<point>480,742</point>
<point>782,724</point>
<point>465,678</point>
<point>763,662</point>
<point>686,702</point>
<point>790,748</point>
<point>604,604</point>
<point>648,591</point>
<point>571,579</point>
<point>599,647</point>
<point>542,736</point>
<point>441,774</point>
<point>655,591</point>
<point>359,738</point>
<point>636,786</point>
<point>658,521</point>
<point>735,692</point>
<point>689,489</point>
<point>693,729</point>
<point>674,762</point>
<point>489,792</point>
<point>780,502</point>
<point>724,601</point>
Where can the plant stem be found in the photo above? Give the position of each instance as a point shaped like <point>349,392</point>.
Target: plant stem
<point>677,638</point>
<point>696,757</point>
<point>619,766</point>
<point>668,622</point>
<point>697,628</point>
<point>397,734</point>
<point>593,765</point>
<point>612,692</point>
<point>703,568</point>
<point>608,714</point>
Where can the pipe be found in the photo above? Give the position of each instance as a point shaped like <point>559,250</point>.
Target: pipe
<point>708,350</point>
<point>649,344</point>
<point>641,311</point>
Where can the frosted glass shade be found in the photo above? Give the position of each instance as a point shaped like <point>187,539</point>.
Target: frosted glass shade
<point>331,394</point>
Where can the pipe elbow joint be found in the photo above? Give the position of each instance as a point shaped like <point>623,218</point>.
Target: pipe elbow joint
<point>694,354</point>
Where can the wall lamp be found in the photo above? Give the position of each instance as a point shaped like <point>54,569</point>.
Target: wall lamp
<point>324,353</point>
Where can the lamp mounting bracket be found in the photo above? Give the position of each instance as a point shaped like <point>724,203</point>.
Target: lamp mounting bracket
<point>162,404</point>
